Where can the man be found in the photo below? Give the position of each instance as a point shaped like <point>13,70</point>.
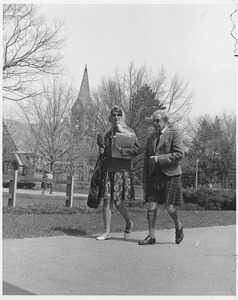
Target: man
<point>50,176</point>
<point>161,178</point>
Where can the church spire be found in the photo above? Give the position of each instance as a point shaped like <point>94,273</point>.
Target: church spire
<point>84,94</point>
<point>79,109</point>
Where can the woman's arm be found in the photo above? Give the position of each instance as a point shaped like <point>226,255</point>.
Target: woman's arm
<point>130,151</point>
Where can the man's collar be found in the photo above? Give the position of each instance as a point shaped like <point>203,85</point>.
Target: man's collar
<point>162,131</point>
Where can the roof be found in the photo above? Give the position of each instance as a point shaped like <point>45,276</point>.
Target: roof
<point>84,93</point>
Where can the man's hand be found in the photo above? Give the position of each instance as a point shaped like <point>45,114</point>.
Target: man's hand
<point>153,159</point>
<point>144,186</point>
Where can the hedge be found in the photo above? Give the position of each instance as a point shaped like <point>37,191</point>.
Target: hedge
<point>20,185</point>
<point>209,199</point>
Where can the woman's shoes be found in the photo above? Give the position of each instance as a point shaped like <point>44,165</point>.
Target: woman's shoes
<point>103,237</point>
<point>127,232</point>
<point>179,235</point>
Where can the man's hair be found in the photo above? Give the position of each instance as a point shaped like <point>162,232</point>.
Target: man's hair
<point>165,115</point>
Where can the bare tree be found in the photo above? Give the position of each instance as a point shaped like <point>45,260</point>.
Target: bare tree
<point>30,49</point>
<point>212,141</point>
<point>48,117</point>
<point>123,89</point>
<point>228,144</point>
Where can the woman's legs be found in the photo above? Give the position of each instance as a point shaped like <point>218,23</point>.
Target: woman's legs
<point>107,215</point>
<point>120,205</point>
<point>120,190</point>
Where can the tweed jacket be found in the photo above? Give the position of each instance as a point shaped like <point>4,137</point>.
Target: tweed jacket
<point>169,152</point>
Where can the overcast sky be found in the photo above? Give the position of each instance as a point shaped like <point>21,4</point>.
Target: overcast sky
<point>192,40</point>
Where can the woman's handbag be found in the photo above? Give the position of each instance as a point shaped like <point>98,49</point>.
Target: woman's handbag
<point>94,195</point>
<point>96,189</point>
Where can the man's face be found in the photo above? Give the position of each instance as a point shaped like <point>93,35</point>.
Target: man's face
<point>158,123</point>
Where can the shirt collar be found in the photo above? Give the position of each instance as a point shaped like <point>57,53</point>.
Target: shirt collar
<point>162,131</point>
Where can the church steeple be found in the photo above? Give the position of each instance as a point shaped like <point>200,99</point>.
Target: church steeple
<point>84,94</point>
<point>80,106</point>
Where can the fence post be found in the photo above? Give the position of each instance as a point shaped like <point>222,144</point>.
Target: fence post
<point>12,190</point>
<point>70,191</point>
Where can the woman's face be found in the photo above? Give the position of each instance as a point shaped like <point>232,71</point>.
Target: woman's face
<point>115,118</point>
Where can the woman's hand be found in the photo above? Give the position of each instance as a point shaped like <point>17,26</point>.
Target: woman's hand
<point>101,150</point>
<point>115,146</point>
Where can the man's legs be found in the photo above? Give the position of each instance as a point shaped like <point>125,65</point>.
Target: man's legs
<point>51,188</point>
<point>172,211</point>
<point>174,215</point>
<point>151,218</point>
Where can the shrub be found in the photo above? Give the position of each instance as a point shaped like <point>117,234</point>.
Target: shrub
<point>26,185</point>
<point>210,199</point>
<point>191,206</point>
<point>20,185</point>
<point>6,184</point>
<point>190,195</point>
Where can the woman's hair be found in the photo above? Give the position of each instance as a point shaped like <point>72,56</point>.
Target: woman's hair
<point>122,127</point>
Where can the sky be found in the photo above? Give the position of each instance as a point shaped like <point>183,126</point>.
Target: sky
<point>192,40</point>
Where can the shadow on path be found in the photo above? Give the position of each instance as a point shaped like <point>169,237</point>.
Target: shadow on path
<point>10,289</point>
<point>70,231</point>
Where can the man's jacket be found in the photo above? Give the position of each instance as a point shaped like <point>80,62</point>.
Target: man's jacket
<point>169,151</point>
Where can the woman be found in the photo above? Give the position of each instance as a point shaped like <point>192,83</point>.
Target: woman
<point>116,186</point>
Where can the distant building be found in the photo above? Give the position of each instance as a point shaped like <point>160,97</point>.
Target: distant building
<point>79,108</point>
<point>231,179</point>
<point>14,154</point>
<point>13,158</point>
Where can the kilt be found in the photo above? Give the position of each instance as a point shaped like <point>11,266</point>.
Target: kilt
<point>170,194</point>
<point>118,186</point>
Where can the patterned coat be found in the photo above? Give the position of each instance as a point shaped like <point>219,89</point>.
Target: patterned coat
<point>169,151</point>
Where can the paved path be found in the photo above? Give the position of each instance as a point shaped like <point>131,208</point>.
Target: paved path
<point>39,192</point>
<point>203,264</point>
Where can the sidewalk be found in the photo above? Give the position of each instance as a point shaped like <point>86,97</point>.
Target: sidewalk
<point>39,192</point>
<point>203,264</point>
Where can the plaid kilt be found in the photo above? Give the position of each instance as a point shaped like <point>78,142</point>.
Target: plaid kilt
<point>170,194</point>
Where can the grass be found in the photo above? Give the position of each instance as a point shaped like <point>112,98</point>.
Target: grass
<point>42,216</point>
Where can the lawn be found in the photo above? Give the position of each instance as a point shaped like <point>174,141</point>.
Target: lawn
<point>41,217</point>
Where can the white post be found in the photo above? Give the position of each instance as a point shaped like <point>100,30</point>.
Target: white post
<point>70,191</point>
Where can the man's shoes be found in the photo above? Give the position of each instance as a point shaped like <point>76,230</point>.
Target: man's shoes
<point>127,232</point>
<point>147,241</point>
<point>179,235</point>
